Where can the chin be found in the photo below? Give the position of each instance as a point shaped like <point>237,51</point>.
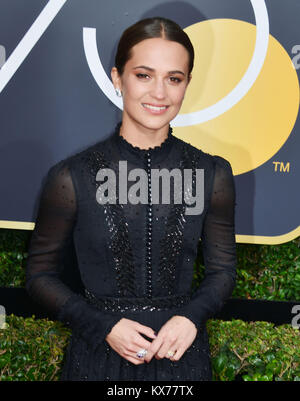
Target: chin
<point>155,123</point>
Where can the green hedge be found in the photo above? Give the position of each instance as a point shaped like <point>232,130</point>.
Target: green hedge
<point>33,350</point>
<point>266,272</point>
<point>269,272</point>
<point>13,254</point>
<point>255,351</point>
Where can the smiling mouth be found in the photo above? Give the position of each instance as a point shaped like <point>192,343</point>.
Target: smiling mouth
<point>154,108</point>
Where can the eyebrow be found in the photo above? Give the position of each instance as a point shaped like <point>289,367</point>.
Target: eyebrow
<point>152,69</point>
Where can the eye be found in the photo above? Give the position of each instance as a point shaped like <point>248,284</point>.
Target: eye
<point>175,80</point>
<point>140,75</point>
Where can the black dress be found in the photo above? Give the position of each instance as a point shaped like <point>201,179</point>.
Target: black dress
<point>135,260</point>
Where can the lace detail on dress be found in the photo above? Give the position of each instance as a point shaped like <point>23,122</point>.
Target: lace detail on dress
<point>118,240</point>
<point>170,247</point>
<point>138,150</point>
<point>172,242</point>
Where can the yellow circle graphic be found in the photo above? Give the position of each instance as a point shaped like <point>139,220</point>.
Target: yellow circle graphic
<point>254,129</point>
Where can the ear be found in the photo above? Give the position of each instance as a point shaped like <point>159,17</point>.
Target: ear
<point>116,79</point>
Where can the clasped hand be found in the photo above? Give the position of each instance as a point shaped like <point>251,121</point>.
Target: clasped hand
<point>177,334</point>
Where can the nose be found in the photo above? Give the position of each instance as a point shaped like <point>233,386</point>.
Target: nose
<point>158,89</point>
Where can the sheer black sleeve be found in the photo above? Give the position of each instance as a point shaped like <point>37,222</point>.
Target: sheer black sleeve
<point>219,249</point>
<point>53,232</point>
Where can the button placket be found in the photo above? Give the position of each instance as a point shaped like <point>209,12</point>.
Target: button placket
<point>149,231</point>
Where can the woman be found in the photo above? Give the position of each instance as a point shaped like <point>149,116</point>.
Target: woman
<point>138,318</point>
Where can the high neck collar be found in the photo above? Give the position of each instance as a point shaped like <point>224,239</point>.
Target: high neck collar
<point>157,152</point>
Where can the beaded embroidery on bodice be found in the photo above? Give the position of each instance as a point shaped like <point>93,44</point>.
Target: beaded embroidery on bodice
<point>172,222</point>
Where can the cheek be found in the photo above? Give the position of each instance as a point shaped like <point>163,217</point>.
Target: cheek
<point>133,90</point>
<point>178,96</point>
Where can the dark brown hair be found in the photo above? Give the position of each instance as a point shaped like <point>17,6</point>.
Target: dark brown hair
<point>148,28</point>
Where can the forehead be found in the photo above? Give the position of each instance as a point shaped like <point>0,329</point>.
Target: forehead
<point>159,53</point>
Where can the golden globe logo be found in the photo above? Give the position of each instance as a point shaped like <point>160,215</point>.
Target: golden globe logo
<point>236,105</point>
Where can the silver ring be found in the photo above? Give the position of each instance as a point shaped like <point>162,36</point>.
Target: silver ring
<point>141,353</point>
<point>171,353</point>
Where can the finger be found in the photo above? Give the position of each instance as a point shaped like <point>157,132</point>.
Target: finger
<point>149,355</point>
<point>154,347</point>
<point>167,345</point>
<point>138,343</point>
<point>172,348</point>
<point>134,347</point>
<point>133,355</point>
<point>173,351</point>
<point>136,361</point>
<point>179,352</point>
<point>145,330</point>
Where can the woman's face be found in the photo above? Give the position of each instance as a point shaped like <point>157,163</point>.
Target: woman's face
<point>153,83</point>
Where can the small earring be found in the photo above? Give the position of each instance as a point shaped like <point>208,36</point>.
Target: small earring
<point>118,92</point>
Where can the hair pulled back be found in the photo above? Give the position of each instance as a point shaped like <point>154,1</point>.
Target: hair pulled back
<point>149,28</point>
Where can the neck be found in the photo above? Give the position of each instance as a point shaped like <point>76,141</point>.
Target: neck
<point>143,137</point>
